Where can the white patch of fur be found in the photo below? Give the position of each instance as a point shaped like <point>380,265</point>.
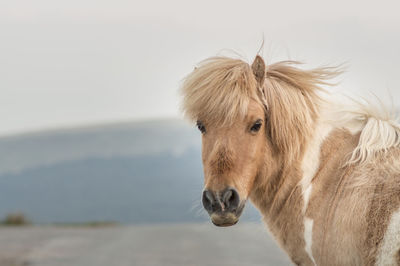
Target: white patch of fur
<point>306,197</point>
<point>379,129</point>
<point>310,163</point>
<point>391,242</point>
<point>308,226</point>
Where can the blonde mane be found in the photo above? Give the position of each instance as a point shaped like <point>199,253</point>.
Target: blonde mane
<point>292,101</point>
<point>378,127</point>
<point>220,89</point>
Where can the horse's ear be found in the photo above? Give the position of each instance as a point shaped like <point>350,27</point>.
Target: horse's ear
<point>258,68</point>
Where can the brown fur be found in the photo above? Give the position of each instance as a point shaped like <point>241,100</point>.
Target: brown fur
<point>328,201</point>
<point>258,68</point>
<point>222,161</point>
<point>385,199</point>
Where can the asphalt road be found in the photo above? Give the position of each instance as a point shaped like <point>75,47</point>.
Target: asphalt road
<point>186,244</point>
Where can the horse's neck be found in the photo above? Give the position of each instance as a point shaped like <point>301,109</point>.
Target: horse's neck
<point>292,180</point>
<point>283,197</point>
<point>273,193</point>
<point>279,199</point>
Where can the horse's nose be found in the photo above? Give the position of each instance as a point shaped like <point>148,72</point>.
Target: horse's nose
<point>227,201</point>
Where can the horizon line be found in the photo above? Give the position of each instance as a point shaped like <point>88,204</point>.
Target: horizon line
<point>84,125</point>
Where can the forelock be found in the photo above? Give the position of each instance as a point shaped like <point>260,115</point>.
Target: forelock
<point>219,90</point>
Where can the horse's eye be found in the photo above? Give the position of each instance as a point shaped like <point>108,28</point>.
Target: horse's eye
<point>256,126</point>
<point>201,127</point>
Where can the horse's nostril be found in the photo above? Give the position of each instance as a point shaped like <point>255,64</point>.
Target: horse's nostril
<point>208,200</point>
<point>231,199</point>
<point>228,201</point>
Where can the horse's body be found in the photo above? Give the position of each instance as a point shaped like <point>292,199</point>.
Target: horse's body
<point>337,215</point>
<point>326,180</point>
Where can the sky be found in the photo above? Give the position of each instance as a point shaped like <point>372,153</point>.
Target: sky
<point>71,63</point>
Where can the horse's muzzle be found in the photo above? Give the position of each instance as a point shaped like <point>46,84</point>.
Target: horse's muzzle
<point>223,207</point>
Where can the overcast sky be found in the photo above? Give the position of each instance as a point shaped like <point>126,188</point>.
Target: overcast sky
<point>66,63</point>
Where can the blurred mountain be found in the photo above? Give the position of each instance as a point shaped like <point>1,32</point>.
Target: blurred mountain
<point>140,172</point>
<point>120,139</point>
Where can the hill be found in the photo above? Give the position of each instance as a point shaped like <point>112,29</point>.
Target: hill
<point>141,172</point>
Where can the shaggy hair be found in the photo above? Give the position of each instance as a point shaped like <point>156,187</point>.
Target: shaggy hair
<point>292,101</point>
<point>219,90</point>
<point>379,129</point>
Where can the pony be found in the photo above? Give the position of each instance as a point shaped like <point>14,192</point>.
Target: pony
<point>324,175</point>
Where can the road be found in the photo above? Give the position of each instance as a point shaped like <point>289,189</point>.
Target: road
<point>186,244</point>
